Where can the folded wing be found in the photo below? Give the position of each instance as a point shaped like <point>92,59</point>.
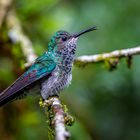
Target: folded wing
<point>42,67</point>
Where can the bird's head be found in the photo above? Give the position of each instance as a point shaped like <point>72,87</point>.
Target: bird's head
<point>62,42</point>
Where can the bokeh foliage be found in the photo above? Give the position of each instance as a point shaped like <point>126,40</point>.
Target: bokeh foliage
<point>106,104</point>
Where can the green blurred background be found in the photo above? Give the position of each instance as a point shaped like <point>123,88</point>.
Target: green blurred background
<point>106,105</point>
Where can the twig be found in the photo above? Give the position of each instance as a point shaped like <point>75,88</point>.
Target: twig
<point>59,118</point>
<point>17,36</point>
<point>4,5</point>
<point>83,60</point>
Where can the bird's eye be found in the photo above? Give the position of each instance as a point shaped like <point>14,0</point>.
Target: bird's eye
<point>64,38</point>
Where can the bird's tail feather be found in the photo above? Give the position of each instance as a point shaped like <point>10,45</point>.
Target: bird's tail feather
<point>5,97</point>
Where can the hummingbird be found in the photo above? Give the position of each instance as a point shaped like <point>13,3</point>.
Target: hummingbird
<point>51,72</point>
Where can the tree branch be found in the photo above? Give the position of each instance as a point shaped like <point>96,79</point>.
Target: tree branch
<point>59,119</point>
<point>87,59</point>
<point>17,36</point>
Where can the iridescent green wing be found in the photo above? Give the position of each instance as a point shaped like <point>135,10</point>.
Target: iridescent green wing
<point>43,67</point>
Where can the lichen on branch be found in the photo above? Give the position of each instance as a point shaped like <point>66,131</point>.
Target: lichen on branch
<point>88,59</point>
<point>58,118</point>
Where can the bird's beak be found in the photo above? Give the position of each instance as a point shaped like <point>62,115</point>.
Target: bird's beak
<point>84,31</point>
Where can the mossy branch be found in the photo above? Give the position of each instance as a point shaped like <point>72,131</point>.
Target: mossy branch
<point>114,55</point>
<point>58,118</point>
